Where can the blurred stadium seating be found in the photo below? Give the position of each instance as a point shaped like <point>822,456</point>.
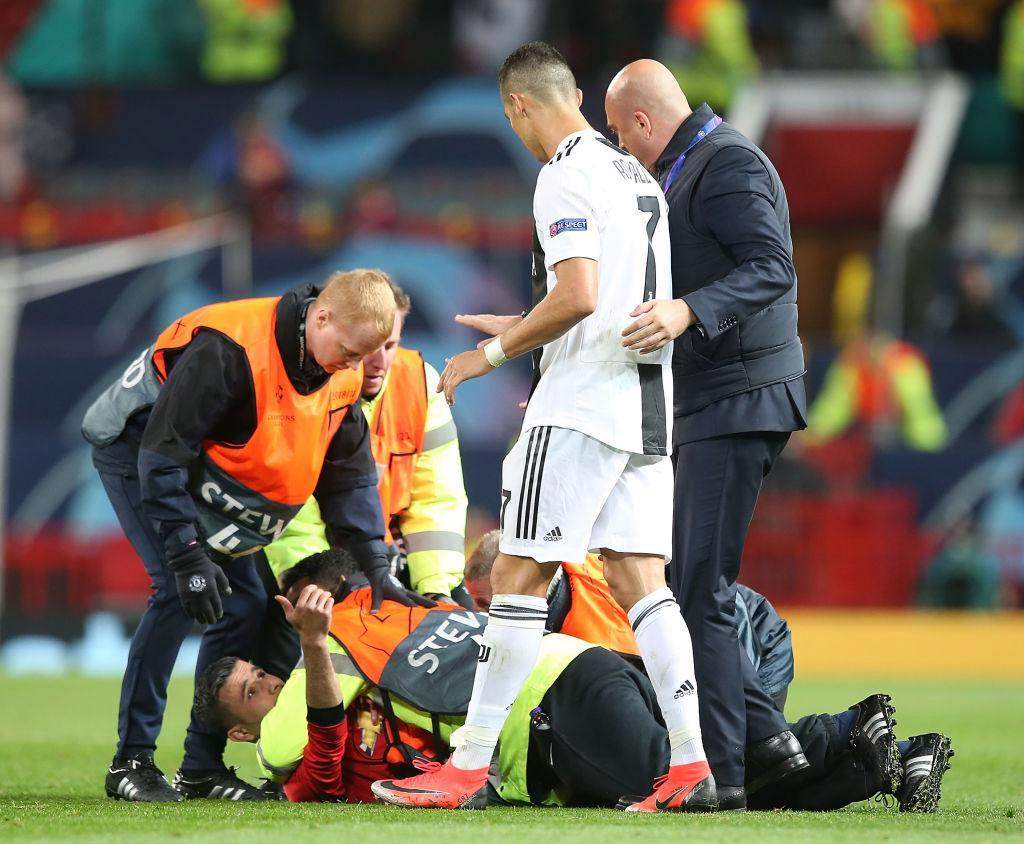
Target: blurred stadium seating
<point>340,141</point>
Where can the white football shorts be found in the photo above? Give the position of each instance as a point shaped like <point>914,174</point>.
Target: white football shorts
<point>564,494</point>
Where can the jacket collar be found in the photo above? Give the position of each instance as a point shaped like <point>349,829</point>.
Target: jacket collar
<point>306,374</point>
<point>684,134</point>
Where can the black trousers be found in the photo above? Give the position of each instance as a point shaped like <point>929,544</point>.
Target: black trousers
<point>164,625</point>
<point>598,736</point>
<point>599,733</point>
<point>717,482</point>
<point>834,779</point>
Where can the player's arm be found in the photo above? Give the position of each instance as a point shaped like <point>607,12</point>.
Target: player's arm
<point>292,732</point>
<point>568,231</point>
<point>319,775</point>
<point>572,300</point>
<point>215,369</point>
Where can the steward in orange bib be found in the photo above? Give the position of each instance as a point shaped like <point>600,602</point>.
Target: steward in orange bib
<point>416,448</point>
<point>207,446</point>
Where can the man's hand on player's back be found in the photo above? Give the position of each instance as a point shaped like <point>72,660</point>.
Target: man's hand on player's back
<point>660,321</point>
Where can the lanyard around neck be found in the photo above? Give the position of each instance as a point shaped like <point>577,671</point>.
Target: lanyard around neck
<point>705,130</point>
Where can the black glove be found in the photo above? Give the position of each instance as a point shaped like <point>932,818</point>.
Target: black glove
<point>200,583</point>
<point>385,586</point>
<point>461,596</point>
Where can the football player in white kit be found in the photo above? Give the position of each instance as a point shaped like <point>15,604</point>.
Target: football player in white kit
<point>591,469</point>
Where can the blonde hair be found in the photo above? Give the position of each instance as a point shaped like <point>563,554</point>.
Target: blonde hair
<point>360,295</point>
<point>403,304</point>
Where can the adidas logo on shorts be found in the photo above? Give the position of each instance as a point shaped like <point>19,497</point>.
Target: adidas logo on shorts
<point>553,535</point>
<point>684,690</point>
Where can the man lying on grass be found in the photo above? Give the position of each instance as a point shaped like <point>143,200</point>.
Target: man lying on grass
<point>851,756</point>
<point>378,696</point>
<point>382,695</point>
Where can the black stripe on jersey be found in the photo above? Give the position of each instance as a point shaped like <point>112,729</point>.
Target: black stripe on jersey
<point>652,385</point>
<point>540,478</point>
<point>565,153</point>
<point>539,284</point>
<point>522,489</point>
<point>652,408</point>
<point>602,139</point>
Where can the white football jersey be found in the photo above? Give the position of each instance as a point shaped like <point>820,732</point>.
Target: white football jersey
<point>593,200</point>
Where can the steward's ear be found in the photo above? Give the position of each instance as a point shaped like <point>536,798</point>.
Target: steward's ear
<point>579,97</point>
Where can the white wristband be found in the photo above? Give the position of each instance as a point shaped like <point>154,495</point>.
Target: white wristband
<point>494,353</point>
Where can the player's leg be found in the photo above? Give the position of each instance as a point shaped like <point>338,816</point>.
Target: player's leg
<point>554,483</point>
<point>508,652</point>
<point>633,532</point>
<point>154,646</point>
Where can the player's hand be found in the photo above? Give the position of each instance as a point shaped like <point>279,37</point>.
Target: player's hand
<point>311,615</point>
<point>384,586</point>
<point>461,368</point>
<point>200,583</point>
<point>659,322</point>
<point>488,323</point>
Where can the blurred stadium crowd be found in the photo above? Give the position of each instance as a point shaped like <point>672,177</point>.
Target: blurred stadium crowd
<point>345,133</point>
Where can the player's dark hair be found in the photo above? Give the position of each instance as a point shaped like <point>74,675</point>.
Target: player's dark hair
<point>538,69</point>
<point>208,708</point>
<point>326,569</point>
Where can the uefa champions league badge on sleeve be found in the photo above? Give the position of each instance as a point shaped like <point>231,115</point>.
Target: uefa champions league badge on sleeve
<point>567,224</point>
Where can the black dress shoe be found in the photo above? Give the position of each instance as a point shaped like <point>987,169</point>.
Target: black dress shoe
<point>732,798</point>
<point>773,758</point>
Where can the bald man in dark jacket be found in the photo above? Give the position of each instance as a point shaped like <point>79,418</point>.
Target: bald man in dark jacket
<point>738,369</point>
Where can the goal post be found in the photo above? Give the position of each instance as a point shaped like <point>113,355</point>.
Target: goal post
<point>29,278</point>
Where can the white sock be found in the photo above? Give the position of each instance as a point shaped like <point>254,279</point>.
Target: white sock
<point>667,652</point>
<point>508,653</point>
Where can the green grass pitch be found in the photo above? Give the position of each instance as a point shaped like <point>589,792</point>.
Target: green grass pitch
<point>56,738</point>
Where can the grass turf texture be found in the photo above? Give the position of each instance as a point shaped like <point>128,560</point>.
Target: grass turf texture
<point>56,738</point>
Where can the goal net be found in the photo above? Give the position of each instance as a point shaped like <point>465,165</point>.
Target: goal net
<point>70,321</point>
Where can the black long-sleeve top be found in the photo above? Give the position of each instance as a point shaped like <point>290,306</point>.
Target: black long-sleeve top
<point>209,395</point>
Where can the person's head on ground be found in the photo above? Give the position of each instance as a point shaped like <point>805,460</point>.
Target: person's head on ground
<point>377,363</point>
<point>351,317</point>
<point>326,569</point>
<point>540,97</point>
<point>235,696</point>
<point>478,568</point>
<point>644,107</point>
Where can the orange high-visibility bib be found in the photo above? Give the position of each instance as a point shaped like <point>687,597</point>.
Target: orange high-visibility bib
<point>593,615</point>
<point>245,493</point>
<point>397,433</point>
